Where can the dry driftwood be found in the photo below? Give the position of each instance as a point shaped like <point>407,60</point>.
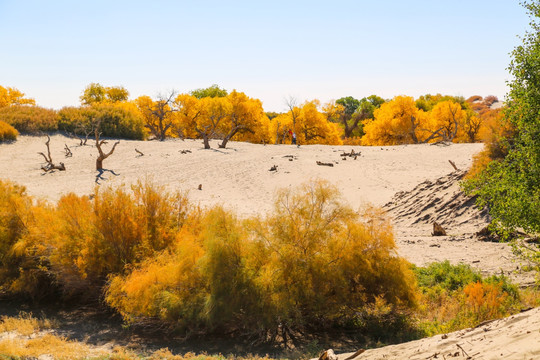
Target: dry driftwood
<point>68,151</point>
<point>200,187</point>
<point>328,355</point>
<point>139,152</point>
<point>273,168</point>
<point>453,165</point>
<point>320,163</point>
<point>361,351</point>
<point>50,165</point>
<point>184,151</point>
<point>352,154</point>
<point>438,230</point>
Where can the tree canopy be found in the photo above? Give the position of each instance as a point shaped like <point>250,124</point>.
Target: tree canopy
<point>510,187</point>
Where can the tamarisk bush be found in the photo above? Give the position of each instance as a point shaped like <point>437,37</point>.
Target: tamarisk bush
<point>311,262</point>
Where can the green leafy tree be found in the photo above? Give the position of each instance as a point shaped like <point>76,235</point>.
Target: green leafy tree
<point>510,187</point>
<point>212,91</point>
<point>96,93</point>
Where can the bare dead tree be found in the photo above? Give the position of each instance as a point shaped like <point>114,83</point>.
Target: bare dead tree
<point>292,105</point>
<point>102,155</point>
<point>50,165</point>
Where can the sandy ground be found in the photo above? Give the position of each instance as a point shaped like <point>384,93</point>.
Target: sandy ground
<point>238,176</point>
<point>415,184</point>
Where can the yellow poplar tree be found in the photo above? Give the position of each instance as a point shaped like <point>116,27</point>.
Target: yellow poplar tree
<point>247,119</point>
<point>11,96</point>
<point>396,122</point>
<point>310,125</point>
<point>446,119</point>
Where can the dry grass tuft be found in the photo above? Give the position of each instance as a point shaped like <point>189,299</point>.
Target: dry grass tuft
<point>25,324</point>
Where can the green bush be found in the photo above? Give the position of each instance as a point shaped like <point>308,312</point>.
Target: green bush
<point>456,297</point>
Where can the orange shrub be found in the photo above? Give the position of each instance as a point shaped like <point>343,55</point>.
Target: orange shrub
<point>7,132</point>
<point>111,232</point>
<point>485,301</point>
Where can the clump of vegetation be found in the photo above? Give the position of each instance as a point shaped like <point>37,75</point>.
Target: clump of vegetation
<point>30,119</point>
<point>118,120</point>
<point>7,132</point>
<point>76,244</point>
<point>312,263</point>
<point>456,297</point>
<point>509,186</point>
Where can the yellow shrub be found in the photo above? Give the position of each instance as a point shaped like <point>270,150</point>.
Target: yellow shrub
<point>112,231</point>
<point>30,119</point>
<point>321,261</point>
<point>20,256</point>
<point>7,132</point>
<point>312,261</point>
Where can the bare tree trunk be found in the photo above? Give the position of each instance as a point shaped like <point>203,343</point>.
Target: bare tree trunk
<point>206,141</point>
<point>228,137</point>
<point>102,156</point>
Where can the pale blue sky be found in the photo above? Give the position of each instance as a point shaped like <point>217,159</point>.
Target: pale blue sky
<point>269,49</point>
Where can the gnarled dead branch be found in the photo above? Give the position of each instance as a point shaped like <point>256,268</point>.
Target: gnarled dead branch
<point>50,165</point>
<point>102,155</point>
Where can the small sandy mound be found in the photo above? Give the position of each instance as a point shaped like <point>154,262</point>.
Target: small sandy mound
<point>441,201</point>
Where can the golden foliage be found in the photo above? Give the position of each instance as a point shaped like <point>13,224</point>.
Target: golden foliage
<point>396,122</point>
<point>445,120</point>
<point>11,96</point>
<point>7,132</point>
<point>115,229</point>
<point>312,261</point>
<point>308,123</point>
<point>485,301</point>
<point>80,242</point>
<point>232,117</point>
<point>30,119</point>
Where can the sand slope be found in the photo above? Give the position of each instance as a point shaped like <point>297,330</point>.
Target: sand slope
<point>515,337</point>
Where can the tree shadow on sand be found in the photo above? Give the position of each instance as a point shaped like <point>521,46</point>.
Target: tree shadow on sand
<point>100,177</point>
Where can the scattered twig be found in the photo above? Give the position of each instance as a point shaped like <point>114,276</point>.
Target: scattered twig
<point>184,151</point>
<point>320,163</point>
<point>139,152</point>
<point>273,168</point>
<point>355,354</point>
<point>68,151</point>
<point>464,352</point>
<point>453,165</point>
<point>352,154</point>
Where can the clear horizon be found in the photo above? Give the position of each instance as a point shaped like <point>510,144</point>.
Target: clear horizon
<point>269,50</point>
